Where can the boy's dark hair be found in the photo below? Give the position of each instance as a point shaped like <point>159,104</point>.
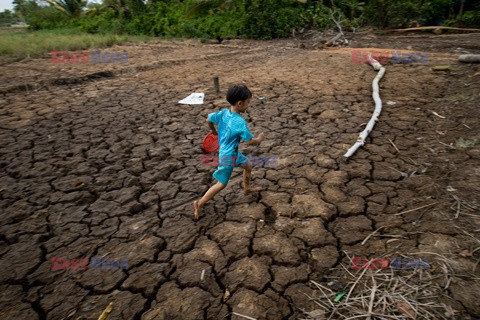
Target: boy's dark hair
<point>238,92</point>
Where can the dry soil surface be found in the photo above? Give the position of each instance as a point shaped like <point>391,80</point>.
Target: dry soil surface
<point>100,160</point>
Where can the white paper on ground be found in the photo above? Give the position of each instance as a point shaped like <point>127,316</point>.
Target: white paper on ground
<point>194,98</point>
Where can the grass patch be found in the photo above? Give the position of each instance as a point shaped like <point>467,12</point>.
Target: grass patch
<point>461,97</point>
<point>468,143</point>
<point>23,44</point>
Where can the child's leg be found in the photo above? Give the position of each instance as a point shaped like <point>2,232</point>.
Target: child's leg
<point>247,174</point>
<point>198,204</point>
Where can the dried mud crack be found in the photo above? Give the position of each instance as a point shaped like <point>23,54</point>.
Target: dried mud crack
<point>109,168</point>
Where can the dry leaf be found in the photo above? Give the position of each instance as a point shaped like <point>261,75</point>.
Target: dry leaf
<point>70,314</point>
<point>465,253</point>
<point>450,312</point>
<point>406,310</point>
<point>318,314</point>
<point>226,296</point>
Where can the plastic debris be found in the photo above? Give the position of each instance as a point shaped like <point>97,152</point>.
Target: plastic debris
<point>444,68</point>
<point>193,98</point>
<point>105,312</point>
<point>78,185</point>
<point>339,296</point>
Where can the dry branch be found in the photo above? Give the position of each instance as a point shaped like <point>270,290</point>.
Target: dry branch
<point>340,34</point>
<point>334,40</point>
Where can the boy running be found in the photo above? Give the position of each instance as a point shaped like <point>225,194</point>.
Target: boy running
<point>231,129</point>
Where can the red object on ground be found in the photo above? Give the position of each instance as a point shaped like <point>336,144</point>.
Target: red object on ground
<point>210,143</point>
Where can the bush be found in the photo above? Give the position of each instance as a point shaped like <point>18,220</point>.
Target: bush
<point>101,21</point>
<point>259,19</point>
<point>392,14</point>
<point>470,19</point>
<point>266,19</point>
<point>46,18</point>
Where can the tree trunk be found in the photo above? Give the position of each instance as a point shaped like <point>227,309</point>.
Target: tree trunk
<point>462,5</point>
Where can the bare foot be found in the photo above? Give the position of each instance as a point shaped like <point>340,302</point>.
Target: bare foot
<point>197,210</point>
<point>252,190</point>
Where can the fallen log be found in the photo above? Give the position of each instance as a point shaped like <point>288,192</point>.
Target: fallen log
<point>469,58</point>
<point>332,41</point>
<point>433,28</point>
<point>376,113</point>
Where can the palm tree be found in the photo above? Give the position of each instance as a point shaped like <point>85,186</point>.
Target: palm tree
<point>124,8</point>
<point>208,6</point>
<point>72,8</point>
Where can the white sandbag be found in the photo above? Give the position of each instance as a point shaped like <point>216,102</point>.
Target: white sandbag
<point>471,58</point>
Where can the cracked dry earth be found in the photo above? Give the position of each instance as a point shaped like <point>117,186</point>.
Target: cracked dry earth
<point>137,151</point>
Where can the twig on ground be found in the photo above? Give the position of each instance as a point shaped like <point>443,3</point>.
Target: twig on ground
<point>354,284</point>
<point>243,316</point>
<point>371,234</point>
<point>411,210</point>
<point>441,117</point>
<point>393,144</point>
<point>372,298</point>
<point>446,145</point>
<point>402,173</point>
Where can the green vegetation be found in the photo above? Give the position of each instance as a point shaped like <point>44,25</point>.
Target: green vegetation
<point>8,17</point>
<point>71,8</point>
<point>23,44</point>
<point>239,18</point>
<point>468,143</point>
<point>212,19</point>
<point>260,19</point>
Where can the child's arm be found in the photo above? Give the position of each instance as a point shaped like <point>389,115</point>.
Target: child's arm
<point>211,125</point>
<point>255,141</point>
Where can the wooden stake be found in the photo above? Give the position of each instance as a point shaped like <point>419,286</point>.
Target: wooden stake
<point>216,84</point>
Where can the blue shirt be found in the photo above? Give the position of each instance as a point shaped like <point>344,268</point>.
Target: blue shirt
<point>231,129</point>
